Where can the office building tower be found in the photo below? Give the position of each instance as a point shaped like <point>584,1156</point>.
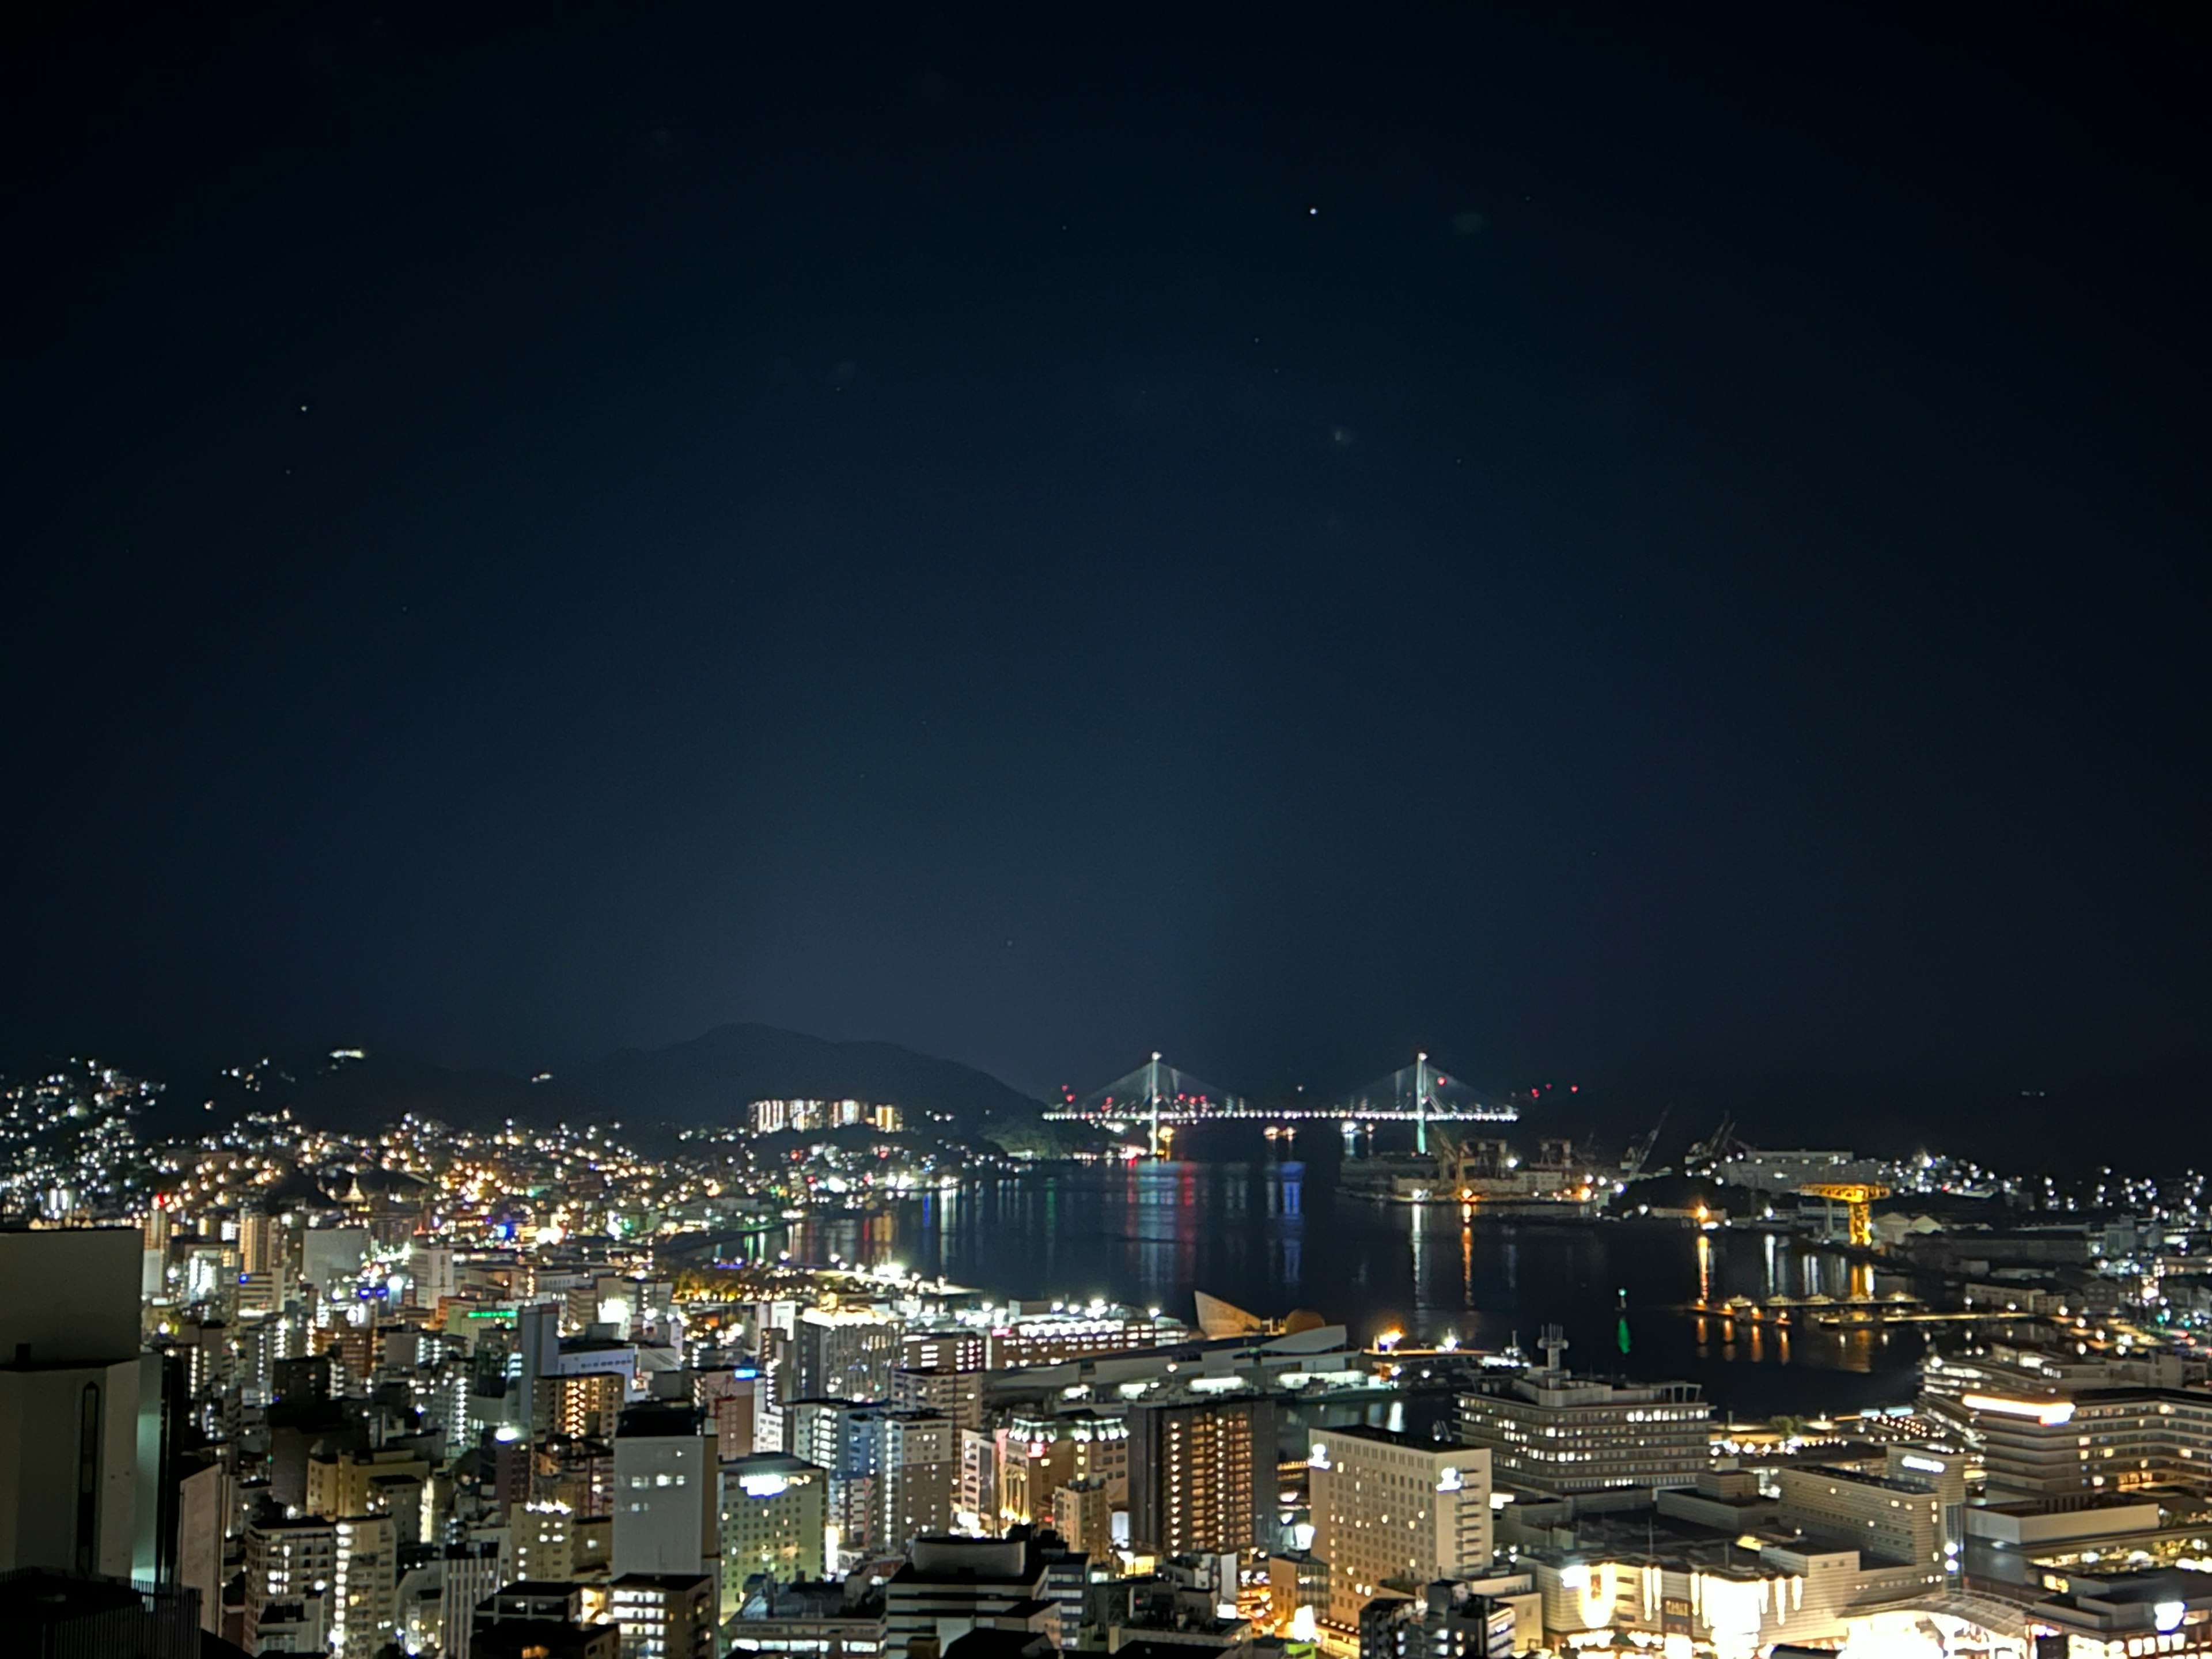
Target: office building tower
<point>774,1514</point>
<point>1555,1433</point>
<point>1392,1506</point>
<point>1202,1475</point>
<point>667,1521</point>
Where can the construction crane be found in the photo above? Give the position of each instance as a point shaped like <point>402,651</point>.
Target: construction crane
<point>1639,1151</point>
<point>1718,1148</point>
<point>1857,1199</point>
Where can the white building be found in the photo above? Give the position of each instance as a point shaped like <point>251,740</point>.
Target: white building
<point>667,1522</point>
<point>1391,1506</point>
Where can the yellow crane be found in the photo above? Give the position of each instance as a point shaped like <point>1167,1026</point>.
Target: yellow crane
<point>1857,1199</point>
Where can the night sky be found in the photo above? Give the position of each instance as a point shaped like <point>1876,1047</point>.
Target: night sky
<point>1645,546</point>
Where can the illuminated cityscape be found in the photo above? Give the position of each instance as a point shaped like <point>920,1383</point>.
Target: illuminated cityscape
<point>533,1390</point>
<point>1057,832</point>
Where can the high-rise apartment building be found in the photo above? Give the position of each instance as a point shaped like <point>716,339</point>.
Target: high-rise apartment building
<point>845,1353</point>
<point>1202,1475</point>
<point>1391,1506</point>
<point>920,1469</point>
<point>364,1584</point>
<point>287,1560</point>
<point>841,1437</point>
<point>954,1394</point>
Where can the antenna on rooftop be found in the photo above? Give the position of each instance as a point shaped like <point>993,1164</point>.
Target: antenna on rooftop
<point>1553,1342</point>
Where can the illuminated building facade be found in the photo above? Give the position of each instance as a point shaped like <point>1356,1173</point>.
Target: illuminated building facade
<point>1391,1506</point>
<point>775,1510</point>
<point>1553,1432</point>
<point>1201,1476</point>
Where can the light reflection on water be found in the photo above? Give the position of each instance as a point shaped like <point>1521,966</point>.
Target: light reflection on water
<point>1149,1234</point>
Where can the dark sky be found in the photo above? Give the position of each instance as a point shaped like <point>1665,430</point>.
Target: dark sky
<point>1604,543</point>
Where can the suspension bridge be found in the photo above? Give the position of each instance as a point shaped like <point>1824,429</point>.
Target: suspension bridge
<point>1162,1098</point>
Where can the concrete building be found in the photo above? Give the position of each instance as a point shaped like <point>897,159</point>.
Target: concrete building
<point>774,1514</point>
<point>920,1461</point>
<point>960,1349</point>
<point>364,1585</point>
<point>1035,1454</point>
<point>541,1541</point>
<point>957,1394</point>
<point>288,1561</point>
<point>821,1619</point>
<point>846,1353</point>
<point>950,1586</point>
<point>729,1398</point>
<point>1894,1522</point>
<point>664,1615</point>
<point>357,1482</point>
<point>470,1572</point>
<point>1202,1475</point>
<point>1442,1620</point>
<point>1553,1432</point>
<point>1051,1338</point>
<point>2019,1543</point>
<point>1391,1506</point>
<point>2050,1426</point>
<point>1082,1513</point>
<point>844,1439</point>
<point>2130,1615</point>
<point>80,1406</point>
<point>667,1494</point>
<point>1721,1597</point>
<point>206,1500</point>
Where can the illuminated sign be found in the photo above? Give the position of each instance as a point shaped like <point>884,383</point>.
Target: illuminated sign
<point>1450,1480</point>
<point>1925,1465</point>
<point>1318,1457</point>
<point>763,1485</point>
<point>2048,1413</point>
